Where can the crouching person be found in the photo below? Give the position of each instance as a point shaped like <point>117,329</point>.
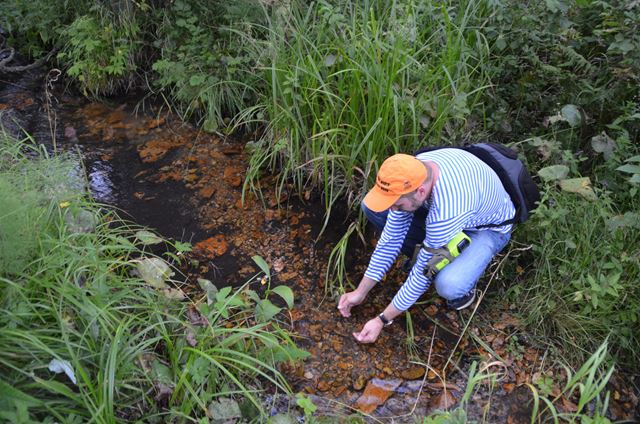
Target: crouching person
<point>449,203</point>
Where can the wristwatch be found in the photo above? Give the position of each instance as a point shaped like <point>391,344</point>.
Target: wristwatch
<point>386,322</point>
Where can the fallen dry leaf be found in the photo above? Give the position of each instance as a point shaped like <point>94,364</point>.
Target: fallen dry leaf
<point>278,265</point>
<point>413,373</point>
<point>443,401</point>
<point>213,246</point>
<point>207,192</point>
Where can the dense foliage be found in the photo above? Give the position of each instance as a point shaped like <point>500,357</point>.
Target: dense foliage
<point>80,297</point>
<point>335,86</point>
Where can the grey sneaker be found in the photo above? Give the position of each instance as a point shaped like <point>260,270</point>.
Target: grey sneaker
<point>462,302</point>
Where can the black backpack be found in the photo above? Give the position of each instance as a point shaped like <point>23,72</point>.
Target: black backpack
<point>512,172</point>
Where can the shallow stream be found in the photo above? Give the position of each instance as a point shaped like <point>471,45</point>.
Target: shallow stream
<point>187,185</point>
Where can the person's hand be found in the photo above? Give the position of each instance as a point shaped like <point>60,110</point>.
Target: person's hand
<point>370,331</point>
<point>349,300</point>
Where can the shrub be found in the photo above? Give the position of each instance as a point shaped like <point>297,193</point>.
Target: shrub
<point>205,62</point>
<point>99,49</point>
<point>584,287</point>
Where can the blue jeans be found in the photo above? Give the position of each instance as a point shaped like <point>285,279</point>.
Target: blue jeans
<point>460,276</point>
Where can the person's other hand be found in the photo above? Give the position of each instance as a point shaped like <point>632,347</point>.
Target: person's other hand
<point>349,300</point>
<point>370,331</point>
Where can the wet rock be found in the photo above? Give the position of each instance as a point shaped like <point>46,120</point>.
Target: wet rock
<point>207,192</point>
<point>376,393</point>
<point>213,246</point>
<point>431,310</point>
<point>232,176</point>
<point>323,386</point>
<point>410,386</point>
<point>413,373</point>
<point>71,134</point>
<point>443,401</point>
<point>80,221</point>
<point>359,382</point>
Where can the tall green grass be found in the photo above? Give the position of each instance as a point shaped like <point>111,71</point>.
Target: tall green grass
<point>135,352</point>
<point>584,288</point>
<point>350,83</point>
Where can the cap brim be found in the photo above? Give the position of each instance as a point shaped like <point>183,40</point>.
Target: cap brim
<point>379,201</point>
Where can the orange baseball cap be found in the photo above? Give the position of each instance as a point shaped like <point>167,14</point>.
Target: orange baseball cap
<point>399,174</point>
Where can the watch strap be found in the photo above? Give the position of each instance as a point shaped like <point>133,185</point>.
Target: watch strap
<point>384,320</point>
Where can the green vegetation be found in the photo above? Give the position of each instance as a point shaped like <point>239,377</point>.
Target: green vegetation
<point>77,299</point>
<point>330,88</point>
<point>587,383</point>
<point>350,83</point>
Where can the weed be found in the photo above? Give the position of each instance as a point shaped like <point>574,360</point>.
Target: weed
<point>125,350</point>
<point>351,83</point>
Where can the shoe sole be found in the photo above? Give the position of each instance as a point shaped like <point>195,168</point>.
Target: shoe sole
<point>468,303</point>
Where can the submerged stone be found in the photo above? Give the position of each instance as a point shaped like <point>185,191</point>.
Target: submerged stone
<point>376,393</point>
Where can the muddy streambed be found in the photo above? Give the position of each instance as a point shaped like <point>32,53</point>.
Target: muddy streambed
<point>187,185</point>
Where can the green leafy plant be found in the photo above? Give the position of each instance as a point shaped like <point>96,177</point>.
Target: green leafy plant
<point>587,384</point>
<point>100,51</point>
<point>206,64</point>
<point>85,339</point>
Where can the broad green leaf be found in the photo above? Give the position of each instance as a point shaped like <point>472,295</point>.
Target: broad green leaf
<point>253,295</point>
<point>262,264</point>
<point>305,403</point>
<point>604,144</point>
<point>183,247</point>
<point>628,220</point>
<point>555,6</point>
<point>154,271</point>
<point>286,293</point>
<point>161,373</point>
<point>148,238</point>
<point>265,310</point>
<point>196,80</point>
<point>581,186</point>
<point>223,293</point>
<point>224,410</point>
<point>209,288</point>
<point>630,168</point>
<point>554,172</point>
<point>282,419</point>
<point>571,114</point>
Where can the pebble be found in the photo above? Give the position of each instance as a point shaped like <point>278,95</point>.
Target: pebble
<point>412,373</point>
<point>308,375</point>
<point>359,383</point>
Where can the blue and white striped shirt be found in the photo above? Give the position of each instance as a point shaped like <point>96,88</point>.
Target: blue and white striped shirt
<point>468,193</point>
